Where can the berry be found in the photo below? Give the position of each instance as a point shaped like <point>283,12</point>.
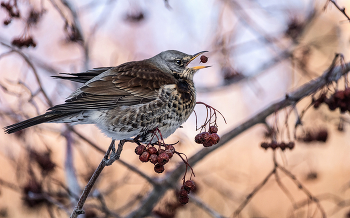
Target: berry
<point>291,145</point>
<point>204,59</point>
<point>347,92</point>
<point>265,145</point>
<point>183,200</point>
<point>7,22</point>
<point>213,129</point>
<point>140,149</point>
<point>158,168</point>
<point>144,157</point>
<point>189,185</point>
<point>171,148</point>
<point>283,146</point>
<point>322,135</point>
<point>152,150</point>
<point>317,104</point>
<point>153,158</point>
<point>169,153</point>
<point>273,144</point>
<point>309,137</point>
<point>199,138</point>
<point>214,138</point>
<point>205,136</point>
<point>163,158</point>
<point>339,95</point>
<point>183,193</point>
<point>207,144</point>
<point>160,151</point>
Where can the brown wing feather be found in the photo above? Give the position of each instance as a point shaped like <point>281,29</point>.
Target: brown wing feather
<point>128,84</point>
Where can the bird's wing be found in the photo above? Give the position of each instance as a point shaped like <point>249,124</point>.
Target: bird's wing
<point>83,77</point>
<point>125,85</point>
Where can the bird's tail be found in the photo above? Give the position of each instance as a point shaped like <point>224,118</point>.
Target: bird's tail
<point>33,121</point>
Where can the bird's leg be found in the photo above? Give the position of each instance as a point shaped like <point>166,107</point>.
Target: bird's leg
<point>113,154</point>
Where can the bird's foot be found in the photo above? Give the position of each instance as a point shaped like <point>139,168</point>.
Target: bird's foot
<point>114,154</point>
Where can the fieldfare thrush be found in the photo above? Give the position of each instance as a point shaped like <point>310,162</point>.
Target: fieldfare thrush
<point>129,100</point>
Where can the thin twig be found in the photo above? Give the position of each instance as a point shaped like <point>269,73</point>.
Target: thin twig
<point>79,207</point>
<point>250,195</point>
<point>342,10</point>
<point>306,191</point>
<point>30,64</point>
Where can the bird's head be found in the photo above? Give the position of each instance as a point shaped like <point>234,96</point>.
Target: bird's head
<point>175,63</point>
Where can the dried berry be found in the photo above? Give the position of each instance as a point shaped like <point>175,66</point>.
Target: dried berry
<point>160,151</point>
<point>273,144</point>
<point>265,145</point>
<point>207,144</point>
<point>291,145</point>
<point>163,158</point>
<point>205,136</point>
<point>214,138</point>
<point>322,135</point>
<point>183,193</point>
<point>199,138</point>
<point>317,104</point>
<point>7,22</point>
<point>347,92</point>
<point>144,157</point>
<point>189,185</point>
<point>170,147</point>
<point>282,146</point>
<point>153,158</point>
<point>152,150</point>
<point>339,95</point>
<point>158,168</point>
<point>213,129</point>
<point>169,153</point>
<point>308,137</point>
<point>140,149</point>
<point>183,200</point>
<point>204,59</point>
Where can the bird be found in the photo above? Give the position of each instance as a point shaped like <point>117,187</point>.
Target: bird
<point>128,100</point>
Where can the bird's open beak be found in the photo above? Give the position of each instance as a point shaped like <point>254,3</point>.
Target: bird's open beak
<point>199,67</point>
<point>194,57</point>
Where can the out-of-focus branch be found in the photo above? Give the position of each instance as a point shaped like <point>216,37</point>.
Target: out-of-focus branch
<point>261,69</point>
<point>205,207</point>
<point>49,102</point>
<point>75,31</point>
<point>72,180</point>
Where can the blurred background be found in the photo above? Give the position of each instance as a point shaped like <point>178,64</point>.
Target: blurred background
<point>258,52</point>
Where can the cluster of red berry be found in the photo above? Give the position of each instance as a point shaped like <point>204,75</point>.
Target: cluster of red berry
<point>186,188</point>
<point>340,99</point>
<point>273,145</point>
<point>12,11</point>
<point>208,138</point>
<point>159,157</point>
<point>320,136</point>
<point>20,42</point>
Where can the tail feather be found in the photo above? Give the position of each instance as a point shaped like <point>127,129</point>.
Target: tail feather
<point>33,121</point>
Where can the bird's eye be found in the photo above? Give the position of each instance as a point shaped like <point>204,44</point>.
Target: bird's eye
<point>178,62</point>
